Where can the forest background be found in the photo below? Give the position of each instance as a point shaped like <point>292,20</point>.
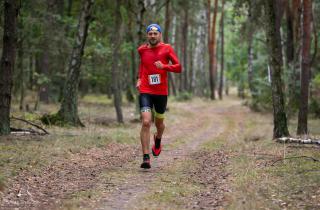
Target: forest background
<point>220,46</point>
<point>70,67</point>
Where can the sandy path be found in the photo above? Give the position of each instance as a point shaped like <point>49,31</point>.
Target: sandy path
<point>113,172</point>
<point>205,127</point>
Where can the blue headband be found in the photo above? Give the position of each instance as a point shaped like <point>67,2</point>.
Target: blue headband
<point>154,27</point>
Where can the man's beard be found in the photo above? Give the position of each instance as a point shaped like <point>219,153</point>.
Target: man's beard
<point>153,42</point>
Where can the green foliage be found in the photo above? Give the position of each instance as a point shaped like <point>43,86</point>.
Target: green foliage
<point>261,99</point>
<point>53,119</point>
<point>315,96</point>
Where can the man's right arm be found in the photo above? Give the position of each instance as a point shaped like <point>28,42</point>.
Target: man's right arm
<point>138,83</point>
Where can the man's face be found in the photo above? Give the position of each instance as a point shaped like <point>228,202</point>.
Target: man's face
<point>153,37</point>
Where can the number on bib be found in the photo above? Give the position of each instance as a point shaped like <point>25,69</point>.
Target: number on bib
<point>154,79</point>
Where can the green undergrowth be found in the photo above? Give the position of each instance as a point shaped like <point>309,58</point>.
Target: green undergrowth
<point>97,99</point>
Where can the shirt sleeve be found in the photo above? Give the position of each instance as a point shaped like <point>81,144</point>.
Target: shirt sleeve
<point>175,65</point>
<point>140,66</point>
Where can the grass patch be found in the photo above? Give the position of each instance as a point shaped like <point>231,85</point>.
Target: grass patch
<point>34,153</point>
<point>97,99</point>
<point>289,184</point>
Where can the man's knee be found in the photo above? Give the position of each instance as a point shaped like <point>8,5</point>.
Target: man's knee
<point>146,123</point>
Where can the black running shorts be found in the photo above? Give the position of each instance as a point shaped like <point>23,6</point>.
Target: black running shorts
<point>149,101</point>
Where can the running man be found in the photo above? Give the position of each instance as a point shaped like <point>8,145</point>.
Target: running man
<point>156,59</point>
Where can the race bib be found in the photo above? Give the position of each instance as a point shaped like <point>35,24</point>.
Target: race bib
<point>154,79</point>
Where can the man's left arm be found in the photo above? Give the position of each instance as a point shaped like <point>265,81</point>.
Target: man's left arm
<point>175,65</point>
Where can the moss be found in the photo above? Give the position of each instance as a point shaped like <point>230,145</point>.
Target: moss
<point>53,119</point>
<point>58,120</point>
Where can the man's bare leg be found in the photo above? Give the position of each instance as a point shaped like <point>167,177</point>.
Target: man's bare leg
<point>159,122</point>
<point>145,132</point>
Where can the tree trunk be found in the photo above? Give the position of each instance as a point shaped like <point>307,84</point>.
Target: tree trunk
<point>226,87</point>
<point>21,71</point>
<point>191,56</point>
<point>140,20</point>
<point>68,112</point>
<point>212,66</point>
<point>222,52</point>
<point>116,40</point>
<point>172,86</point>
<point>185,30</point>
<point>275,55</point>
<point>290,58</point>
<point>295,69</point>
<point>290,35</point>
<point>250,51</point>
<point>7,63</point>
<point>305,68</point>
<point>31,71</point>
<point>167,22</point>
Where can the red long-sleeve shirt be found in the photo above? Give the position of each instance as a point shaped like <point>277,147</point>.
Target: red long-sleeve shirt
<point>154,80</point>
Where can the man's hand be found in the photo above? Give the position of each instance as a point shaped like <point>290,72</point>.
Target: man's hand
<point>138,83</point>
<point>159,64</point>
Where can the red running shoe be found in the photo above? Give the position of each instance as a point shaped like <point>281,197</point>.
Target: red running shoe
<point>156,148</point>
<point>146,163</point>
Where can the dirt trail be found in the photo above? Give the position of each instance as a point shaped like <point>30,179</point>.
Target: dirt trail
<point>115,171</point>
<point>207,125</point>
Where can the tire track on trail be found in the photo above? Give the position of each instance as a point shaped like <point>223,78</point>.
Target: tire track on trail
<point>205,127</point>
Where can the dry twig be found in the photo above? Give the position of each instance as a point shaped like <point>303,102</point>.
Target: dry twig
<point>303,156</point>
<point>30,123</point>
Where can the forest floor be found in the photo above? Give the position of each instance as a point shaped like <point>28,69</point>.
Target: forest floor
<point>216,155</point>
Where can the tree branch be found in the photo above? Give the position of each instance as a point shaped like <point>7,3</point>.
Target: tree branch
<point>30,123</point>
<point>303,156</point>
<point>296,140</point>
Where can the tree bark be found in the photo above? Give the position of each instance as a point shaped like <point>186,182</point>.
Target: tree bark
<point>212,44</point>
<point>68,112</point>
<point>140,20</point>
<point>305,68</point>
<point>185,31</point>
<point>275,53</point>
<point>7,63</point>
<point>294,74</point>
<point>167,22</point>
<point>250,50</point>
<point>31,71</point>
<point>290,57</point>
<point>172,86</point>
<point>191,56</point>
<point>222,52</point>
<point>115,64</point>
<point>20,67</point>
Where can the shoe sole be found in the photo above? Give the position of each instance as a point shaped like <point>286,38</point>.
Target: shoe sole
<point>145,165</point>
